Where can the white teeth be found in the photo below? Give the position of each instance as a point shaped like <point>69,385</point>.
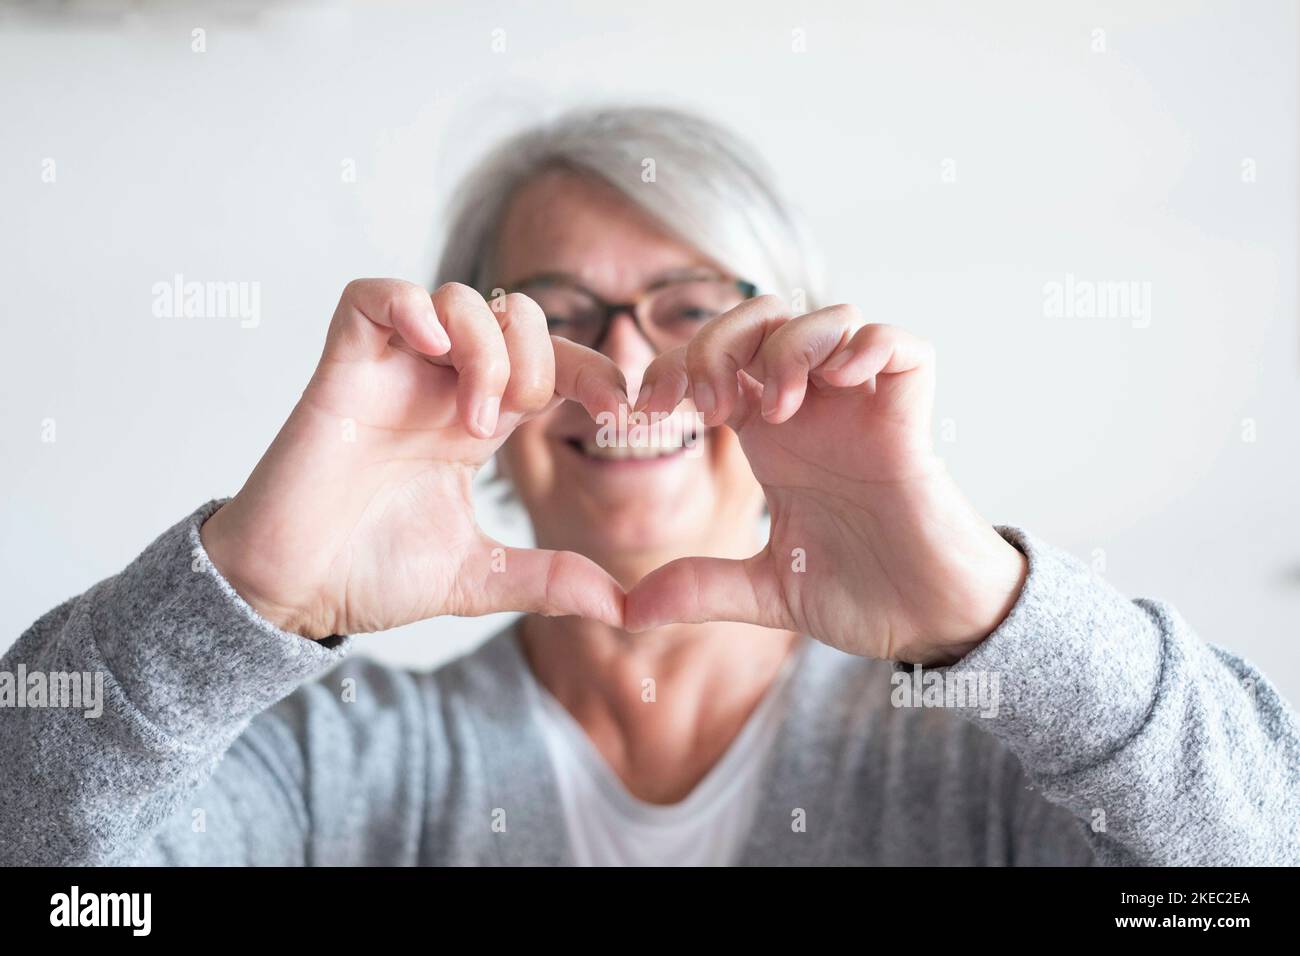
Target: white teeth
<point>627,452</point>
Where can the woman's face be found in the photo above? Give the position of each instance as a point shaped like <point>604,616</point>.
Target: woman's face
<point>628,514</point>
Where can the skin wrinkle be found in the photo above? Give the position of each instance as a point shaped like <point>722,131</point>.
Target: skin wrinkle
<point>791,597</point>
<point>407,489</point>
<point>551,567</point>
<point>771,607</point>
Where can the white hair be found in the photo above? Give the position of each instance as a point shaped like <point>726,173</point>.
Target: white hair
<point>699,181</point>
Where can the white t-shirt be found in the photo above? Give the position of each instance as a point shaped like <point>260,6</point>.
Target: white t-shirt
<point>607,826</point>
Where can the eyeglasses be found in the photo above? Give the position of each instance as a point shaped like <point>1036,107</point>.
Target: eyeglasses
<point>667,313</point>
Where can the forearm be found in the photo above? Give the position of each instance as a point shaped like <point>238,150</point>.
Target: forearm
<point>178,666</point>
<point>1172,749</point>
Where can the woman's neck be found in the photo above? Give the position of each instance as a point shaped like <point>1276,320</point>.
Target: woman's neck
<point>663,706</point>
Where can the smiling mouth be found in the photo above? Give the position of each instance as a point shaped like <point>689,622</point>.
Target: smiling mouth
<point>590,449</point>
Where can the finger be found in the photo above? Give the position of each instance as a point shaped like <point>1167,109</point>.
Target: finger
<point>553,583</point>
<point>694,590</point>
<point>664,383</point>
<point>371,310</point>
<point>876,349</point>
<point>588,377</point>
<point>706,367</point>
<point>726,345</point>
<point>478,353</point>
<point>528,347</point>
<point>790,354</point>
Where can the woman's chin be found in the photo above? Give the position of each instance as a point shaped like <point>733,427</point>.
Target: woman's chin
<point>628,538</point>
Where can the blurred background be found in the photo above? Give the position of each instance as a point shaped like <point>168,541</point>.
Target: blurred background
<point>964,166</point>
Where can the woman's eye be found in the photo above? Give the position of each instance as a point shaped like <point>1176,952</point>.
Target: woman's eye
<point>695,314</point>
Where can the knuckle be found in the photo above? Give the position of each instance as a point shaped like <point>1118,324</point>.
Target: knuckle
<point>365,300</point>
<point>809,358</point>
<point>516,303</point>
<point>358,291</point>
<point>848,312</point>
<point>493,372</point>
<point>582,380</point>
<point>551,586</point>
<point>532,389</point>
<point>457,295</point>
<point>517,311</point>
<point>696,357</point>
<point>408,298</point>
<point>788,333</point>
<point>455,288</point>
<point>877,333</point>
<point>528,401</point>
<point>787,350</point>
<point>703,355</point>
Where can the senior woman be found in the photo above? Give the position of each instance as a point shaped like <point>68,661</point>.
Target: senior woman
<point>887,679</point>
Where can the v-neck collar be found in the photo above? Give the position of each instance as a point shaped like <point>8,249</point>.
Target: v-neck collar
<point>716,780</point>
<point>789,773</point>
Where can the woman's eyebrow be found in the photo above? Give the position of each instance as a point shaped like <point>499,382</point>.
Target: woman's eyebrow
<point>683,272</point>
<point>544,277</point>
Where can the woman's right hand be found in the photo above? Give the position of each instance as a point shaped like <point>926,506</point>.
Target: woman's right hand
<point>359,516</point>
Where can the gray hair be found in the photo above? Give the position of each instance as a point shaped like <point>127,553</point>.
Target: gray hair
<point>700,182</point>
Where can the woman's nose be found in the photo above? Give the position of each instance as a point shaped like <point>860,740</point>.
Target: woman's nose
<point>629,349</point>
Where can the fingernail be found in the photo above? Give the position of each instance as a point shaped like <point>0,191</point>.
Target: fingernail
<point>642,396</point>
<point>770,398</point>
<point>837,362</point>
<point>486,415</point>
<point>706,401</point>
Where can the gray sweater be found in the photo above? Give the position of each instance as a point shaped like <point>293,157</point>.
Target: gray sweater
<point>1115,736</point>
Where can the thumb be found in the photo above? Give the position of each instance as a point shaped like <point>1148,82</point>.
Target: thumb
<point>694,590</point>
<point>553,583</point>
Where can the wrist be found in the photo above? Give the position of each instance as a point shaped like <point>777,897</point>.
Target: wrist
<point>225,553</point>
<point>977,574</point>
<point>995,589</point>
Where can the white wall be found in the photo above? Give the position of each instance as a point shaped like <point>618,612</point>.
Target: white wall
<point>1117,165</point>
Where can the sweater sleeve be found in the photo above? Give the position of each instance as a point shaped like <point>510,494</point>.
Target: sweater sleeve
<point>117,707</point>
<point>1167,750</point>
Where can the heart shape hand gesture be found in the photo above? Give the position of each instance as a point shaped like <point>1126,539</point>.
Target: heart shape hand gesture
<point>359,516</point>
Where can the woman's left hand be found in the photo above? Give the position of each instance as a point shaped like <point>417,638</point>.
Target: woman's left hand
<point>873,549</point>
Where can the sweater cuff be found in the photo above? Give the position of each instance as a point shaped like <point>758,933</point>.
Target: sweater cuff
<point>1068,678</point>
<point>189,653</point>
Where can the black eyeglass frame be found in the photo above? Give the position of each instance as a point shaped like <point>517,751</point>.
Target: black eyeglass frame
<point>607,310</point>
